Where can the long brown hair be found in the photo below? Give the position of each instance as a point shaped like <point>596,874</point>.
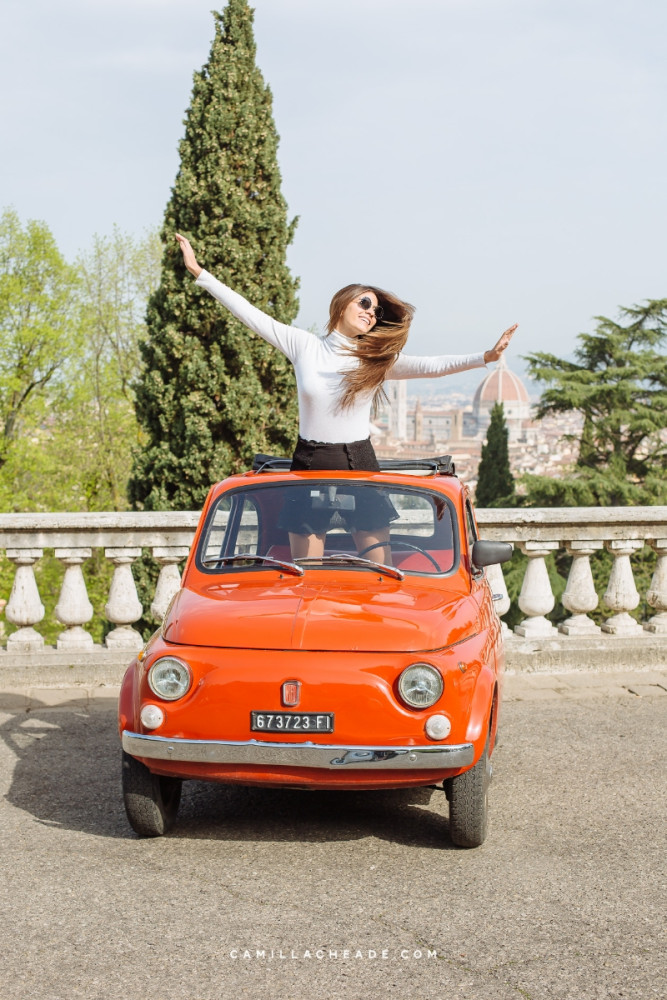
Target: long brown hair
<point>376,350</point>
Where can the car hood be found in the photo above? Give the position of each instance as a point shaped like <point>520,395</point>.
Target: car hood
<point>389,617</point>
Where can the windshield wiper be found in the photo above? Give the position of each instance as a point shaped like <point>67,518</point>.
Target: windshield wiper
<point>290,567</point>
<point>352,560</point>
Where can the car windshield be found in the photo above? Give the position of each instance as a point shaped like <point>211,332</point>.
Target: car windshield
<point>416,528</point>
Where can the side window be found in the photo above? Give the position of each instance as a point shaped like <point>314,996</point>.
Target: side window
<point>214,545</point>
<point>471,532</point>
<point>233,529</point>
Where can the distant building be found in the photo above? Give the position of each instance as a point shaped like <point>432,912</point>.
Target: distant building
<point>433,424</point>
<point>501,386</point>
<point>397,409</point>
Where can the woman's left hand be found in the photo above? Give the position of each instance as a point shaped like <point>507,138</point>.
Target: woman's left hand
<point>189,258</point>
<point>500,346</point>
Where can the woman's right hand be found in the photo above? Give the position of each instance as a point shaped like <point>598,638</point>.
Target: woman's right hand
<point>189,258</point>
<point>500,346</point>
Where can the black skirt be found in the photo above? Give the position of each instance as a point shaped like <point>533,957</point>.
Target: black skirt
<point>358,455</point>
<point>373,510</point>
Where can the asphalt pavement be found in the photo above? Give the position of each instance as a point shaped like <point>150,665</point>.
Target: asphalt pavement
<point>304,895</point>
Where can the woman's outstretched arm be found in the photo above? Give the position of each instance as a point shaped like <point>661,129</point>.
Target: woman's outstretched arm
<point>287,339</point>
<point>410,366</point>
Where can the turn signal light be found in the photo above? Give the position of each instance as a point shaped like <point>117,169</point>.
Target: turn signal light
<point>438,727</point>
<point>151,716</point>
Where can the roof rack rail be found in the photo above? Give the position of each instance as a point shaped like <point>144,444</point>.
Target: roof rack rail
<point>270,463</point>
<point>442,465</point>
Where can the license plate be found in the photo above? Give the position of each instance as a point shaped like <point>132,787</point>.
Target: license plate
<point>295,722</point>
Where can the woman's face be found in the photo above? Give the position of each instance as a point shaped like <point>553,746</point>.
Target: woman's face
<point>359,315</point>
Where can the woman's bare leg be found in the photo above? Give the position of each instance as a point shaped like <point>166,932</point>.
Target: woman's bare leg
<point>381,552</point>
<point>303,546</point>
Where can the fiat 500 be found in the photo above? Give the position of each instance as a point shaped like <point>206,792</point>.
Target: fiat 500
<point>351,668</point>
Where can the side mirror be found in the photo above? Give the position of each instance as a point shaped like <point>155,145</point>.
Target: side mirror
<point>485,553</point>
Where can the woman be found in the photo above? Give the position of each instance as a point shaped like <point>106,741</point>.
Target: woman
<point>339,383</point>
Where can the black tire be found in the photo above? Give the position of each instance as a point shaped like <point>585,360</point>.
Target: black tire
<point>468,803</point>
<point>151,801</point>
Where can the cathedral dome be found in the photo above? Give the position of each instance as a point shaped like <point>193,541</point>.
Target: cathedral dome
<point>500,386</point>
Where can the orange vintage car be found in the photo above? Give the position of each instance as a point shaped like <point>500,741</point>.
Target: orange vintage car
<point>335,671</point>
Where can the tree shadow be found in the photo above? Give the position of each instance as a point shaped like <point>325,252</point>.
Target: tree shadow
<point>67,775</point>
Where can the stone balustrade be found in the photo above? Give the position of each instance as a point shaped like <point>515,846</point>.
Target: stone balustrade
<point>167,536</point>
<point>581,531</point>
<point>577,642</point>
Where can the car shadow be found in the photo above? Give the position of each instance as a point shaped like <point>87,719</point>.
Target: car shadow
<point>67,775</point>
<point>239,813</point>
<point>67,772</point>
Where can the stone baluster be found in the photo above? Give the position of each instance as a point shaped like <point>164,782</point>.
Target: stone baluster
<point>622,595</point>
<point>73,608</point>
<point>496,580</point>
<point>123,606</point>
<point>536,598</point>
<point>656,595</point>
<point>580,595</point>
<point>24,607</point>
<point>169,580</point>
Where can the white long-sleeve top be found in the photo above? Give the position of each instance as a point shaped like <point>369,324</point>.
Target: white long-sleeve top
<point>320,364</point>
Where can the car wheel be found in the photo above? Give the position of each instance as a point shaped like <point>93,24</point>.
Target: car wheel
<point>468,803</point>
<point>151,801</point>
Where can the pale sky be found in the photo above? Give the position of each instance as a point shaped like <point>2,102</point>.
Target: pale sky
<point>490,161</point>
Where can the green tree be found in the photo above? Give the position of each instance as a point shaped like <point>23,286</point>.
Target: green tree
<point>495,483</point>
<point>73,425</point>
<point>39,335</point>
<point>78,427</point>
<point>617,382</point>
<point>211,394</point>
<point>117,276</point>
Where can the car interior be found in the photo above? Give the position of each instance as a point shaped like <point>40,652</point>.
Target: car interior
<point>248,521</point>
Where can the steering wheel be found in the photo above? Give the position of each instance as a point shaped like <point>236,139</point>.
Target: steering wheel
<point>404,546</point>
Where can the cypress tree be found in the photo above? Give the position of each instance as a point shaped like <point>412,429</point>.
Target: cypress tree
<point>495,482</point>
<point>617,383</point>
<point>211,393</point>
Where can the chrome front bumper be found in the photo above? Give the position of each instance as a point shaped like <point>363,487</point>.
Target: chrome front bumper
<point>329,757</point>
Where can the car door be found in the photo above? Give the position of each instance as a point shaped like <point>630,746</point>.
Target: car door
<point>480,588</point>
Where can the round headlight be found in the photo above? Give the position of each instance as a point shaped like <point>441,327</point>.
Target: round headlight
<point>169,678</point>
<point>420,685</point>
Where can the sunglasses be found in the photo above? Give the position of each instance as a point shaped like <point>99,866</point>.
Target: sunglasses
<point>367,305</point>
